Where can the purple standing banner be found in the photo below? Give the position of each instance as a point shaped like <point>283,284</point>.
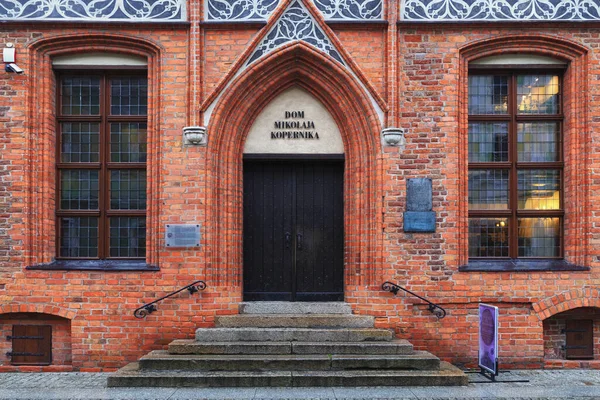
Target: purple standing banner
<point>488,338</point>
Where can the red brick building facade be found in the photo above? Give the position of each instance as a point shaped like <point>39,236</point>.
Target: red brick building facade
<point>402,69</point>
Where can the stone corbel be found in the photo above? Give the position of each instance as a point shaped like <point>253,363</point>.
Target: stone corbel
<point>195,136</point>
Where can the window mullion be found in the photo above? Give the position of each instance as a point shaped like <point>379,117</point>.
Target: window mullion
<point>513,180</point>
<point>102,242</point>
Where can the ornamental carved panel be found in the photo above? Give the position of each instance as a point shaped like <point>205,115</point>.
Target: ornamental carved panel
<point>260,10</point>
<point>295,23</point>
<point>97,10</point>
<point>500,10</point>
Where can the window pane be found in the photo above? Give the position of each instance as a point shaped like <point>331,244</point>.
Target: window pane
<point>537,94</point>
<point>538,141</point>
<point>488,237</point>
<point>488,94</point>
<point>539,237</point>
<point>79,237</point>
<point>80,142</point>
<point>128,189</point>
<point>488,141</point>
<point>79,189</point>
<point>539,189</point>
<point>128,237</point>
<point>129,96</point>
<point>488,189</point>
<point>80,96</point>
<point>128,142</point>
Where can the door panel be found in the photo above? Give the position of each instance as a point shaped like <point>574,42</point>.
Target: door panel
<point>268,196</point>
<point>31,345</point>
<point>320,228</point>
<point>293,231</point>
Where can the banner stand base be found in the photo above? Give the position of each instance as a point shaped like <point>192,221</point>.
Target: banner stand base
<point>492,376</point>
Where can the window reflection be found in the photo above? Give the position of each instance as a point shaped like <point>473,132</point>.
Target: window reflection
<point>537,94</point>
<point>539,237</point>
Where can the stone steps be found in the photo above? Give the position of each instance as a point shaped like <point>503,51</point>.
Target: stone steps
<point>162,360</point>
<point>315,344</point>
<point>292,334</point>
<point>131,376</point>
<point>285,307</point>
<point>294,321</point>
<point>398,346</point>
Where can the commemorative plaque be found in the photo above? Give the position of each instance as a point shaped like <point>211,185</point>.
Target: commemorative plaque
<point>419,216</point>
<point>182,235</point>
<point>419,194</point>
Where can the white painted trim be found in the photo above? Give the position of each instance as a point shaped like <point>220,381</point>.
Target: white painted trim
<point>518,59</point>
<point>98,58</point>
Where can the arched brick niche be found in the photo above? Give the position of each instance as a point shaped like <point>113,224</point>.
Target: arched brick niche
<point>554,312</point>
<point>576,133</point>
<point>560,337</point>
<point>295,64</point>
<point>60,337</point>
<point>41,135</point>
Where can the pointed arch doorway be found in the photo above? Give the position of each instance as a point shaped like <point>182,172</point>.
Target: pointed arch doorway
<point>293,203</point>
<point>230,114</point>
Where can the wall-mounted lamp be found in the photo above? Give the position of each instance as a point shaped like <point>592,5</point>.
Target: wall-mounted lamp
<point>8,57</point>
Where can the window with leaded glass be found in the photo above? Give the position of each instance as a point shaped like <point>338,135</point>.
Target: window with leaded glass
<point>101,166</point>
<point>515,164</point>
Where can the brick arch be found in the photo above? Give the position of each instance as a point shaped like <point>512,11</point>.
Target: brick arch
<point>41,137</point>
<point>39,309</point>
<point>574,298</point>
<point>104,42</point>
<point>576,132</point>
<point>550,46</point>
<point>295,64</point>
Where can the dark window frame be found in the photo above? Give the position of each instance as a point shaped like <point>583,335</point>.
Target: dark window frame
<point>512,118</point>
<point>104,165</point>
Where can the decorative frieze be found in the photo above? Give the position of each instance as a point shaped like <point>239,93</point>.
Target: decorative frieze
<point>500,10</point>
<point>260,10</point>
<point>99,10</point>
<point>295,23</point>
<point>239,10</point>
<point>348,10</point>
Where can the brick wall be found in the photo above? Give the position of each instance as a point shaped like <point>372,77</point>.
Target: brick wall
<point>419,75</point>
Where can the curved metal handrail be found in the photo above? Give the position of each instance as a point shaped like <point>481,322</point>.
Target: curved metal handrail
<point>433,308</point>
<point>149,308</point>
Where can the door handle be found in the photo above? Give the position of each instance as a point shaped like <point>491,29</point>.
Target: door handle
<point>299,241</point>
<point>288,240</point>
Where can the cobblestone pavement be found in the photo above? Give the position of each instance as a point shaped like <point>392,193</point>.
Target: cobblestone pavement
<point>543,384</point>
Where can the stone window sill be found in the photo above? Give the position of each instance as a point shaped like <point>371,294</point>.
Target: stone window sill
<point>95,265</point>
<point>520,265</point>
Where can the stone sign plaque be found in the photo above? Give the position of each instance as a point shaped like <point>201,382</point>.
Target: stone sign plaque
<point>295,122</point>
<point>419,216</point>
<point>419,194</point>
<point>182,235</point>
<point>419,221</point>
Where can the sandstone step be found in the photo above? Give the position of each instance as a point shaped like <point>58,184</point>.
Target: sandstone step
<point>162,360</point>
<point>132,376</point>
<point>184,346</point>
<point>292,334</point>
<point>286,307</point>
<point>294,321</point>
<point>398,346</point>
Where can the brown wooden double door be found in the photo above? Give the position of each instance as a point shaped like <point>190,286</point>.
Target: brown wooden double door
<point>293,230</point>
